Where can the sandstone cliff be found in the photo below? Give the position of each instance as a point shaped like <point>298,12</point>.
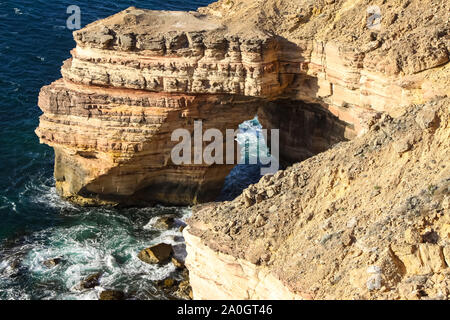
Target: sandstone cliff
<point>136,76</point>
<point>365,219</point>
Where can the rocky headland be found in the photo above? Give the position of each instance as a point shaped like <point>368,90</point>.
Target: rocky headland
<point>361,210</point>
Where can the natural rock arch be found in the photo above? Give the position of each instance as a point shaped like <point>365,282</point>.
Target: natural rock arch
<point>138,75</point>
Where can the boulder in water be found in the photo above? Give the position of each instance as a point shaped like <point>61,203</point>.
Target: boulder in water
<point>91,282</point>
<point>157,254</point>
<point>112,295</point>
<point>165,222</point>
<point>179,264</point>
<point>51,263</point>
<point>176,289</point>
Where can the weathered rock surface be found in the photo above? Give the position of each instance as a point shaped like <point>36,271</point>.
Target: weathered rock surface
<point>359,221</point>
<point>179,256</point>
<point>115,146</point>
<point>157,254</point>
<point>177,288</point>
<point>165,222</point>
<point>111,295</point>
<point>365,219</point>
<point>91,281</point>
<point>135,77</point>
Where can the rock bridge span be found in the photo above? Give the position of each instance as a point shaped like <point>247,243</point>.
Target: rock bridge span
<point>135,77</point>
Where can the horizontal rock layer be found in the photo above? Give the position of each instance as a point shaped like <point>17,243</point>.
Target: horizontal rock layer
<point>337,237</point>
<point>115,145</point>
<point>137,76</point>
<point>312,69</point>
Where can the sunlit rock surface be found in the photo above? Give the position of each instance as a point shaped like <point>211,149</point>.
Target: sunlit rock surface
<point>342,224</point>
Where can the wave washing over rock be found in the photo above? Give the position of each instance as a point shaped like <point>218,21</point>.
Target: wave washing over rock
<point>37,225</point>
<point>52,263</point>
<point>362,210</point>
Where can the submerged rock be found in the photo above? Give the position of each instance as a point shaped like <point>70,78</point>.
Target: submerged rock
<point>51,263</point>
<point>157,254</point>
<point>165,222</point>
<point>91,281</point>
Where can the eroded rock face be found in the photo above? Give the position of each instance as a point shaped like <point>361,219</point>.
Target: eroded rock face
<point>366,219</point>
<point>130,83</point>
<point>157,254</point>
<point>111,295</point>
<point>114,145</point>
<point>216,276</point>
<point>137,76</point>
<point>362,220</point>
<point>306,129</point>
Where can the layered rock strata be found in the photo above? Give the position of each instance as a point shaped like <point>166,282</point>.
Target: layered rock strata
<point>367,219</point>
<point>114,145</point>
<point>316,70</point>
<point>138,75</point>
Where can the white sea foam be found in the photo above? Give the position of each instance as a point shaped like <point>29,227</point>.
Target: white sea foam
<point>87,248</point>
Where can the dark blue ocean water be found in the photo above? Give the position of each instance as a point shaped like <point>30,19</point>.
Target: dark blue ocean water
<point>35,224</point>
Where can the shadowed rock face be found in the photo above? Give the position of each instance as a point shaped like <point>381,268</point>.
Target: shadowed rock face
<point>305,129</point>
<point>115,145</point>
<point>137,76</point>
<point>352,222</point>
<point>368,218</point>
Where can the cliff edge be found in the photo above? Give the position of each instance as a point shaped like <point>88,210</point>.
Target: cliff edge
<point>367,219</point>
<point>314,69</point>
<point>359,91</point>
